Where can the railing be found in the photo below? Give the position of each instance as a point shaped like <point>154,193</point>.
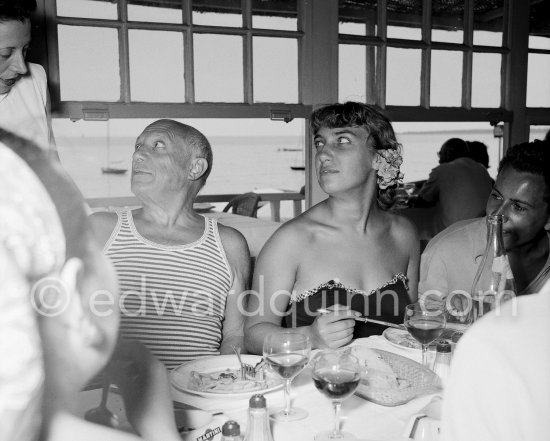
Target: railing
<point>274,200</point>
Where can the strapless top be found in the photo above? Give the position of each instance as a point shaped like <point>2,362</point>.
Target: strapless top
<point>384,303</point>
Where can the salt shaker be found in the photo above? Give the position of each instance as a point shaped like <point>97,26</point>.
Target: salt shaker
<point>257,428</point>
<point>231,431</point>
<point>442,363</point>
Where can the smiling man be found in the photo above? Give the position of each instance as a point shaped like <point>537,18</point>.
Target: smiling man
<point>522,194</point>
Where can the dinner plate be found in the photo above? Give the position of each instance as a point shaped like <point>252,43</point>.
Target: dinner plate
<point>403,340</point>
<point>181,377</point>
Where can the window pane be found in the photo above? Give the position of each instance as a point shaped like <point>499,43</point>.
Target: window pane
<point>275,69</point>
<point>218,63</point>
<point>448,21</point>
<point>488,23</point>
<point>539,37</point>
<point>163,13</point>
<point>539,132</point>
<point>404,19</point>
<point>352,78</point>
<point>268,15</point>
<point>486,80</point>
<point>88,70</point>
<point>446,79</point>
<point>270,147</point>
<point>357,19</point>
<point>156,75</point>
<point>226,13</point>
<point>538,86</point>
<point>422,140</point>
<point>403,77</point>
<point>87,9</point>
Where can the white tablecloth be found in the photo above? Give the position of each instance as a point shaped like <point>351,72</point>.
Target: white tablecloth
<point>364,419</point>
<point>255,231</point>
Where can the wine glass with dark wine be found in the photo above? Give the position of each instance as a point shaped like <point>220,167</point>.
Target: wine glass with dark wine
<point>425,325</point>
<point>286,354</point>
<point>336,374</point>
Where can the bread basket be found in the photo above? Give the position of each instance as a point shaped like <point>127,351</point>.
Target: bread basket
<point>413,380</point>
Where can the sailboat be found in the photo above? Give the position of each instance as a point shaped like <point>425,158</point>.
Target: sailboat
<point>110,168</point>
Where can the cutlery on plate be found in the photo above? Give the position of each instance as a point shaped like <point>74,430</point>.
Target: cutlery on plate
<point>366,319</point>
<point>415,425</point>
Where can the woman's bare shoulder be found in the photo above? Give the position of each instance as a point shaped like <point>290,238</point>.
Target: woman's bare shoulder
<point>402,229</point>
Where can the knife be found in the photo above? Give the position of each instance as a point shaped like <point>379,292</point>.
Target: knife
<point>366,319</point>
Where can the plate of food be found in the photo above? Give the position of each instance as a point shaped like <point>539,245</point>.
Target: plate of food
<point>391,379</point>
<point>403,340</point>
<point>219,376</point>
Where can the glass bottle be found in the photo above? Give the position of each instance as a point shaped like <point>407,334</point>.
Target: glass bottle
<point>494,281</point>
<point>257,428</point>
<point>231,431</point>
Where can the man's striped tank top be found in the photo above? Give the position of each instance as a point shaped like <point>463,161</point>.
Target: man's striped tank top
<point>172,297</point>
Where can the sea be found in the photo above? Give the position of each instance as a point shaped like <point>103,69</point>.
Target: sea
<point>261,163</point>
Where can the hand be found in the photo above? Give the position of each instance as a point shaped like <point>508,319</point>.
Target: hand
<point>144,386</point>
<point>333,329</point>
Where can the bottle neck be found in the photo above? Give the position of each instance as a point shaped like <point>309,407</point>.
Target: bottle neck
<point>495,243</point>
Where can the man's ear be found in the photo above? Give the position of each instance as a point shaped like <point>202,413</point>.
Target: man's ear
<point>547,224</point>
<point>199,167</point>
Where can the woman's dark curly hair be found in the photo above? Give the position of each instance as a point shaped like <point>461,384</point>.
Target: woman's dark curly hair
<point>530,157</point>
<point>353,114</point>
<point>16,9</point>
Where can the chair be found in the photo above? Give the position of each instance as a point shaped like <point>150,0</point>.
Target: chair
<point>244,205</point>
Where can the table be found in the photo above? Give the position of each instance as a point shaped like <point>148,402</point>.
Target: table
<point>360,417</point>
<point>364,419</point>
<point>255,231</point>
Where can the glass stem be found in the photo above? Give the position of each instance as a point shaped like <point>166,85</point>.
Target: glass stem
<point>287,395</point>
<point>424,355</point>
<point>336,429</point>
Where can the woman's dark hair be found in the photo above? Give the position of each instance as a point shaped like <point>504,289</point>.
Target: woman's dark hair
<point>353,114</point>
<point>16,9</point>
<point>530,157</point>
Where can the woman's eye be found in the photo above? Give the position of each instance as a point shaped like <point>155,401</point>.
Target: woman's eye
<point>137,147</point>
<point>495,196</point>
<point>343,140</point>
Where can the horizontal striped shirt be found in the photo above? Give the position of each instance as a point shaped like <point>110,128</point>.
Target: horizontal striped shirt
<point>172,296</point>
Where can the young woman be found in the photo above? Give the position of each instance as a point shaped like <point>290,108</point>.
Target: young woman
<point>347,255</point>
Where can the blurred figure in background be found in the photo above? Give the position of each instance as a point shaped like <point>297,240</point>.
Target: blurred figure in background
<point>458,187</point>
<point>478,152</point>
<point>59,321</point>
<point>24,101</point>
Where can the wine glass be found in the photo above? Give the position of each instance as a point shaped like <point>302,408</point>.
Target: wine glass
<point>336,374</point>
<point>425,325</point>
<point>287,353</point>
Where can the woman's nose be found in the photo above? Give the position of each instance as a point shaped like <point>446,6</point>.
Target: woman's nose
<point>18,63</point>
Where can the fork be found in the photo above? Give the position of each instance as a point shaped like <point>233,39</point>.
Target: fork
<point>247,370</point>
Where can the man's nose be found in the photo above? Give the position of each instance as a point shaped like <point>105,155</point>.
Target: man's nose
<point>503,209</point>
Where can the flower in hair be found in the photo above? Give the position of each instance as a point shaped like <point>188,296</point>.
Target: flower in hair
<point>388,162</point>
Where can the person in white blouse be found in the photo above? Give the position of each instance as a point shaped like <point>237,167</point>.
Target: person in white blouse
<point>24,101</point>
<point>499,387</point>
